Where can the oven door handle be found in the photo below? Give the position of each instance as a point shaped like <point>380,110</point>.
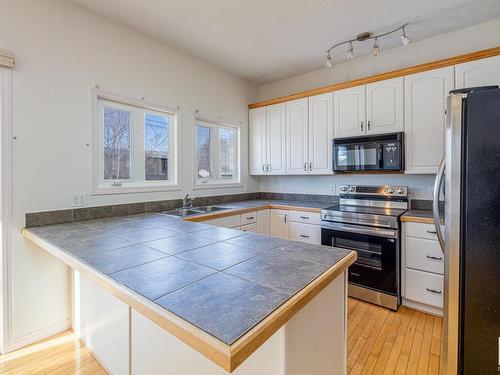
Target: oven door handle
<point>379,232</point>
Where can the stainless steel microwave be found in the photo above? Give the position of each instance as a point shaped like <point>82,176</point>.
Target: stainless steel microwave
<point>372,153</point>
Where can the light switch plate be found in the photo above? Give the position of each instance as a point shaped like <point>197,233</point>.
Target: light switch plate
<point>78,199</point>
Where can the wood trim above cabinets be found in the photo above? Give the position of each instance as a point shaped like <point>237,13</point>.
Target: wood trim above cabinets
<point>383,76</point>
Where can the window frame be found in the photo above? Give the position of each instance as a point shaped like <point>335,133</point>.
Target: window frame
<point>213,183</point>
<point>99,187</point>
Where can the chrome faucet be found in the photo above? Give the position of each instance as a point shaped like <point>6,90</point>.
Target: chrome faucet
<point>187,202</point>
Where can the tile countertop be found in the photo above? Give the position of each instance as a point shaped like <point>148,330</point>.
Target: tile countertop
<point>223,281</point>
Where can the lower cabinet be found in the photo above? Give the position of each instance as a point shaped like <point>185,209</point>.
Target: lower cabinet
<point>423,268</point>
<point>264,222</point>
<point>279,224</point>
<point>305,233</point>
<point>249,227</point>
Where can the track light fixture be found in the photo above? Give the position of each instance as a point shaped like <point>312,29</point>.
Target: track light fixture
<point>363,37</point>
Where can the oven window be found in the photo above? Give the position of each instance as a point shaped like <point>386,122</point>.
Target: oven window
<point>349,156</point>
<point>369,254</point>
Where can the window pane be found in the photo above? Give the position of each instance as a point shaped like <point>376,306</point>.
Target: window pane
<point>116,144</point>
<point>203,150</point>
<point>226,152</point>
<point>156,147</point>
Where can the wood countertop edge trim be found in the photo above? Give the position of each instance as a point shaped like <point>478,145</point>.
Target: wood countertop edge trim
<point>477,55</point>
<point>417,219</point>
<point>253,339</point>
<point>225,356</point>
<point>238,211</point>
<point>207,345</point>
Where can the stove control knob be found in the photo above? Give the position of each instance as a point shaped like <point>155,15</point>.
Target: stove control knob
<point>343,188</point>
<point>352,189</point>
<point>400,191</point>
<point>390,190</point>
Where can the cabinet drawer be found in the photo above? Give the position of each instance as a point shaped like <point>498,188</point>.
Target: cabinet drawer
<point>424,255</point>
<point>427,231</point>
<point>424,287</point>
<point>304,217</point>
<point>209,221</point>
<point>249,217</point>
<point>305,233</point>
<point>228,221</point>
<point>249,227</point>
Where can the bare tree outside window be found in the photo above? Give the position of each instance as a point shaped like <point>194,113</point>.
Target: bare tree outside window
<point>116,144</point>
<point>226,136</point>
<point>203,148</point>
<point>156,147</point>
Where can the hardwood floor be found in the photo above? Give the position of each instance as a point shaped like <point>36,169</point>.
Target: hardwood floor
<point>379,342</point>
<point>60,355</point>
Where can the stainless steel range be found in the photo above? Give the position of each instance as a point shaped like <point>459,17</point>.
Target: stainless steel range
<point>367,220</point>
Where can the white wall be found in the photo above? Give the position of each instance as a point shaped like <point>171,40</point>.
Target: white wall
<point>478,37</point>
<point>61,50</point>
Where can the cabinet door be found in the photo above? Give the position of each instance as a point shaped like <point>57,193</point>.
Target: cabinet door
<point>305,233</point>
<point>264,222</point>
<point>384,106</point>
<point>232,221</point>
<point>482,72</point>
<point>349,112</point>
<point>279,224</point>
<point>425,105</point>
<point>320,133</point>
<point>296,136</point>
<point>257,140</point>
<point>276,128</point>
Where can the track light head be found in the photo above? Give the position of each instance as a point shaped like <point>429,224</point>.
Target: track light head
<point>329,61</point>
<point>350,52</point>
<point>376,48</point>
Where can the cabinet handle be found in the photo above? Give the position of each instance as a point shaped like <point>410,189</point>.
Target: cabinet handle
<point>431,232</point>
<point>305,217</point>
<point>354,274</point>
<point>305,167</point>
<point>369,124</point>
<point>304,236</point>
<point>362,126</point>
<point>434,291</point>
<point>434,258</point>
<point>310,166</point>
<point>268,167</point>
<point>263,167</point>
<point>286,217</point>
<point>251,218</point>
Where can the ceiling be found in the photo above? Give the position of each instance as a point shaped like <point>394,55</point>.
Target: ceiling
<point>268,40</point>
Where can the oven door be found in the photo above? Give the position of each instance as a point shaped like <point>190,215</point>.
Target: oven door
<point>378,254</point>
<point>357,157</point>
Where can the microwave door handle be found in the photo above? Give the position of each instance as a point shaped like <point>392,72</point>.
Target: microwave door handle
<point>380,156</point>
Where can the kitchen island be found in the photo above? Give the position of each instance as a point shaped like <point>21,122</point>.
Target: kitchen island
<point>153,294</point>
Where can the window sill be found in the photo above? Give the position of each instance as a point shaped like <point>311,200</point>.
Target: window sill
<point>105,190</point>
<point>217,185</point>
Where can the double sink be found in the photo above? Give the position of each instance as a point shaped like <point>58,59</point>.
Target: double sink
<point>195,210</point>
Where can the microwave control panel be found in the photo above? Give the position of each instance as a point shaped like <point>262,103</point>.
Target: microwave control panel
<point>391,156</point>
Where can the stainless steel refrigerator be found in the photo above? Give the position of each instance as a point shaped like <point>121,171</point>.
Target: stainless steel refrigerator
<point>469,232</point>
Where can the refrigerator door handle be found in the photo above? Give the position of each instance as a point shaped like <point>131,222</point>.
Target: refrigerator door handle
<point>435,204</point>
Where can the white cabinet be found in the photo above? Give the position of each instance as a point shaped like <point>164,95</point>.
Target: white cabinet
<point>349,112</point>
<point>279,224</point>
<point>249,228</point>
<point>304,217</point>
<point>305,233</point>
<point>384,106</point>
<point>375,108</point>
<point>248,218</point>
<point>267,129</point>
<point>232,221</point>
<point>320,133</point>
<point>309,135</point>
<point>257,143</point>
<point>276,130</point>
<point>425,106</point>
<point>482,72</point>
<point>264,222</point>
<point>297,122</point>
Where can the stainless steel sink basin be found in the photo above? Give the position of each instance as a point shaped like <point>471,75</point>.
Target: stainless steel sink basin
<point>194,211</point>
<point>210,208</point>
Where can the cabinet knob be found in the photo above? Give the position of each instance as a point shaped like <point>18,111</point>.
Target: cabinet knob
<point>310,166</point>
<point>369,124</point>
<point>434,291</point>
<point>362,126</point>
<point>305,167</point>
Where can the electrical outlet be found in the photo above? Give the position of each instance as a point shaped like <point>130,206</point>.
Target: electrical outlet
<point>78,199</point>
<point>333,189</point>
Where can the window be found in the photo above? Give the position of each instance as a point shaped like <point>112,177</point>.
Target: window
<point>134,146</point>
<point>217,155</point>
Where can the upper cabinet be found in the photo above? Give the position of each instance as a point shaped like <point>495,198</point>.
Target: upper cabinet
<point>349,112</point>
<point>309,135</point>
<point>267,140</point>
<point>482,72</point>
<point>384,106</point>
<point>425,106</point>
<point>375,108</point>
